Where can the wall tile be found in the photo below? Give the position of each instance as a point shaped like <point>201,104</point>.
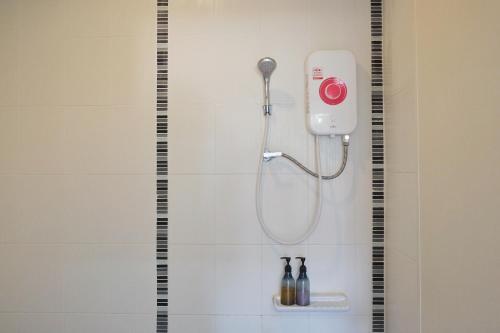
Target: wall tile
<point>190,19</point>
<point>89,19</point>
<point>402,214</point>
<point>191,125</point>
<point>353,18</point>
<point>337,224</point>
<point>34,286</point>
<point>289,193</point>
<point>401,160</point>
<point>236,219</point>
<point>109,278</point>
<point>9,322</point>
<point>82,209</point>
<point>108,209</point>
<point>237,153</point>
<point>43,323</point>
<point>109,140</point>
<point>36,206</point>
<point>184,324</point>
<point>9,211</point>
<point>112,323</point>
<point>133,18</point>
<point>192,209</point>
<point>133,76</point>
<point>284,21</point>
<point>323,323</point>
<point>41,79</point>
<point>31,322</point>
<point>10,139</point>
<point>401,131</point>
<point>42,140</point>
<point>402,293</point>
<point>9,60</point>
<point>240,324</point>
<point>9,22</point>
<point>283,323</point>
<point>196,295</point>
<point>399,46</point>
<point>237,81</point>
<point>190,80</point>
<point>41,21</point>
<point>87,71</point>
<point>237,18</point>
<point>238,280</point>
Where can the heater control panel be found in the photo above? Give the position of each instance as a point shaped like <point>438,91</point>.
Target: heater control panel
<point>331,92</point>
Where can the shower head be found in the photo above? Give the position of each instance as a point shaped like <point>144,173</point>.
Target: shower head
<point>267,66</point>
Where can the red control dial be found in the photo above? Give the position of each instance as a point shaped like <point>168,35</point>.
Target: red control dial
<point>333,91</point>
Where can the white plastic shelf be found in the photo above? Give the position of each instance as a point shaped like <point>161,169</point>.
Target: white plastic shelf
<point>320,302</point>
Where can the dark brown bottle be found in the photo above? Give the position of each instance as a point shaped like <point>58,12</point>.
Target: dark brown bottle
<point>287,285</point>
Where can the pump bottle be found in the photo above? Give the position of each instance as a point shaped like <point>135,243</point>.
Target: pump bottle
<point>287,285</point>
<point>303,295</point>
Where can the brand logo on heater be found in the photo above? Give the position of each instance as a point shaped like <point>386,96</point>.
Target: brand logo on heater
<point>333,91</point>
<point>317,73</point>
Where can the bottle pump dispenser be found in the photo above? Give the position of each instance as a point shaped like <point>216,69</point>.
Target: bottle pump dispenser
<point>287,285</point>
<point>302,288</point>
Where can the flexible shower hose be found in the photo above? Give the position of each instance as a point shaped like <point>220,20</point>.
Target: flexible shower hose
<point>259,202</point>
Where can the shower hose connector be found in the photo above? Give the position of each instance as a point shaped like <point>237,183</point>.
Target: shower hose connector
<point>267,156</point>
<point>267,110</point>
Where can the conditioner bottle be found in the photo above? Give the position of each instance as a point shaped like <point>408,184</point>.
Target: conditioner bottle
<point>303,295</point>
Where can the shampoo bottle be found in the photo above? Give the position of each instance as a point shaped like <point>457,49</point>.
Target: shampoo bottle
<point>287,285</point>
<point>303,296</point>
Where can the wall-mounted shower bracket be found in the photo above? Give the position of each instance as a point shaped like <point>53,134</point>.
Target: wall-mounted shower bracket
<point>269,155</point>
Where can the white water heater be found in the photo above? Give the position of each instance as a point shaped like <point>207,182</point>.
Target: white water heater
<point>331,92</point>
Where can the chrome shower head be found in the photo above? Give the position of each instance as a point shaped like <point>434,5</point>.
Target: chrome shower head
<point>267,66</point>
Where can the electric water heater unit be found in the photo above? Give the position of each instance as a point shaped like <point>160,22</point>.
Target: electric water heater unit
<point>331,110</point>
<point>331,92</point>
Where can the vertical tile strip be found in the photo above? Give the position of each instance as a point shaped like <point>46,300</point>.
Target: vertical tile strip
<point>162,166</point>
<point>378,269</point>
<point>378,261</point>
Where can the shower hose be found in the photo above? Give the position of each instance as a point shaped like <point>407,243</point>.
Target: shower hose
<point>267,156</point>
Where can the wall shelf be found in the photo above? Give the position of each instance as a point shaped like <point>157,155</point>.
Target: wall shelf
<point>320,302</point>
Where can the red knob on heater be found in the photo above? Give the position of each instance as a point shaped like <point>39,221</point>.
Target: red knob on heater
<point>333,91</point>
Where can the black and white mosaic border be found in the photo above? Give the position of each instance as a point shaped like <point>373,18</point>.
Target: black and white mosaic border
<point>162,166</point>
<point>378,254</point>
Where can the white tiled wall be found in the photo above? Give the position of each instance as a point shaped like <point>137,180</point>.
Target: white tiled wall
<point>77,183</point>
<point>222,270</point>
<point>459,164</point>
<point>402,213</point>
